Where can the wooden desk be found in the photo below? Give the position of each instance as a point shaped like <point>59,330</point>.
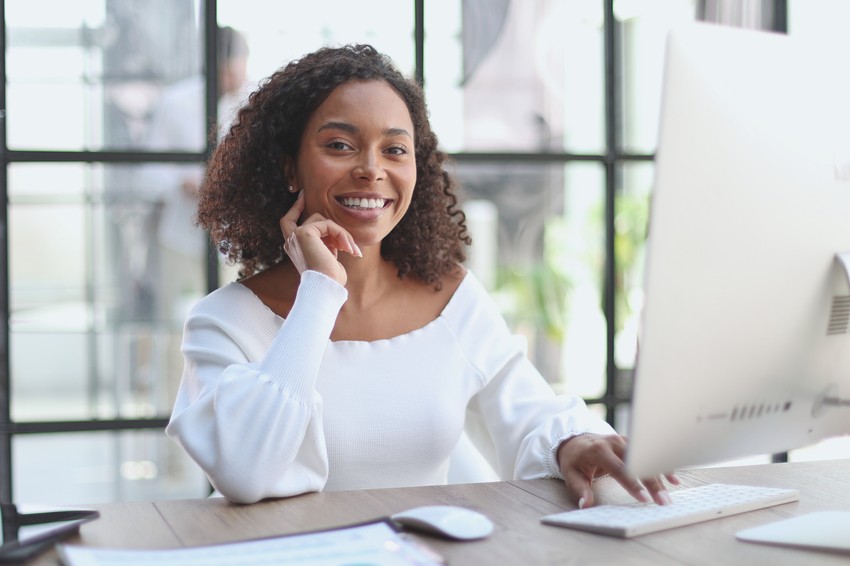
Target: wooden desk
<point>515,507</point>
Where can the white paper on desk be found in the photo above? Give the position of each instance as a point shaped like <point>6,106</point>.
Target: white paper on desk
<point>372,543</point>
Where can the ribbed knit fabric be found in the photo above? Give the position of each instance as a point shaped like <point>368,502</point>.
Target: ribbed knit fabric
<point>272,408</point>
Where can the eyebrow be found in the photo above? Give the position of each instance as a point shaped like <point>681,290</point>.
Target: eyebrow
<point>352,129</point>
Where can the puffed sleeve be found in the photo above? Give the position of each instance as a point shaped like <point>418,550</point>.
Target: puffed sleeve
<point>247,410</point>
<point>516,419</point>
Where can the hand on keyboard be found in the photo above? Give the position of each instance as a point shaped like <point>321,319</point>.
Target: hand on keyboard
<point>583,458</point>
<point>692,505</point>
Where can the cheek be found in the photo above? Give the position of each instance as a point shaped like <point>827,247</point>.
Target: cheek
<point>410,179</point>
<point>315,183</point>
<point>311,204</point>
<point>410,186</point>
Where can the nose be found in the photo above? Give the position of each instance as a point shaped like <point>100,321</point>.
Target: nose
<point>369,166</point>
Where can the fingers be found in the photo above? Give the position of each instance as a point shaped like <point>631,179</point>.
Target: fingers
<point>289,221</point>
<point>319,241</point>
<point>630,483</point>
<point>316,242</point>
<point>316,226</point>
<point>580,487</point>
<point>646,490</point>
<point>333,236</point>
<point>657,490</point>
<point>583,458</point>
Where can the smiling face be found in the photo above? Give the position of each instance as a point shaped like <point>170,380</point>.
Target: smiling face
<point>356,163</point>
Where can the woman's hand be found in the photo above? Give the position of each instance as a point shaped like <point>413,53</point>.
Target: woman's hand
<point>316,243</point>
<point>587,456</point>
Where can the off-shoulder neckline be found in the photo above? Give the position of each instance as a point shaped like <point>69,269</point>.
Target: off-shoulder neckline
<point>449,305</point>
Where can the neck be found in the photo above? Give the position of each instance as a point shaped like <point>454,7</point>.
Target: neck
<point>369,278</point>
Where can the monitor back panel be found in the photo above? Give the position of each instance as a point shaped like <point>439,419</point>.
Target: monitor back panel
<point>741,332</point>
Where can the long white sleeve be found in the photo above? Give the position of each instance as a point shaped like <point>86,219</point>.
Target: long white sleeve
<point>247,410</point>
<point>516,419</point>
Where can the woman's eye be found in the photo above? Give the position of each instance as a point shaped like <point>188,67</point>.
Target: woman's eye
<point>338,145</point>
<point>397,150</point>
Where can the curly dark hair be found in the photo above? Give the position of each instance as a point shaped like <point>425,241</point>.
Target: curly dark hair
<point>244,192</point>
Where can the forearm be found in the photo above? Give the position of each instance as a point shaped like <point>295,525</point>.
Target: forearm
<point>528,422</point>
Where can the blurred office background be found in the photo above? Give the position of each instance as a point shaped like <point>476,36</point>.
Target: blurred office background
<point>548,107</point>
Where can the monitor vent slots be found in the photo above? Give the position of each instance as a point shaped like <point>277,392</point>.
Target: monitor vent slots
<point>839,316</point>
<point>745,412</point>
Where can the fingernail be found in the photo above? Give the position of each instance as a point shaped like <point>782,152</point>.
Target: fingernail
<point>357,251</point>
<point>581,503</point>
<point>665,497</point>
<point>644,496</point>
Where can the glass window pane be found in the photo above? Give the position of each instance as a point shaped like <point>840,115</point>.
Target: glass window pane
<point>47,251</point>
<point>444,64</point>
<point>154,256</point>
<point>98,297</point>
<point>622,419</point>
<point>644,27</point>
<point>537,243</point>
<point>274,41</point>
<point>631,220</point>
<point>99,467</point>
<point>581,250</point>
<point>92,78</point>
<point>578,36</point>
<point>38,182</point>
<point>31,104</point>
<point>129,371</point>
<point>527,198</point>
<point>51,374</point>
<point>821,21</point>
<point>516,76</point>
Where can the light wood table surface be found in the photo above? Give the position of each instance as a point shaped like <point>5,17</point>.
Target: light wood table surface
<point>515,507</point>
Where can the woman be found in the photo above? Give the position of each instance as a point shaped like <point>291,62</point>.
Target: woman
<point>356,348</point>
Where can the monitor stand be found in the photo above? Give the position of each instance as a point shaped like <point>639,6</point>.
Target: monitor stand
<point>823,530</point>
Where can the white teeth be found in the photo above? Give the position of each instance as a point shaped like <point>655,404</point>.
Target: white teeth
<point>365,203</point>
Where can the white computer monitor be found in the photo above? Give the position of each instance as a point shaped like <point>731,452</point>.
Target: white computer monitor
<point>744,345</point>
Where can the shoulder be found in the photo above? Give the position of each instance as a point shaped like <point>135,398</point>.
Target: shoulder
<point>435,299</point>
<point>227,301</point>
<point>275,287</point>
<point>454,279</point>
<point>472,305</point>
<point>232,313</point>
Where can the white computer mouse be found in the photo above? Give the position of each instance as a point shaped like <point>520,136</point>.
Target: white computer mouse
<point>450,521</point>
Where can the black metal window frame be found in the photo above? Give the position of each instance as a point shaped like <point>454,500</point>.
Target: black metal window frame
<point>611,160</point>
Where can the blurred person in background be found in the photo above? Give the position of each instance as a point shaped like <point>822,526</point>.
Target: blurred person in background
<point>178,123</point>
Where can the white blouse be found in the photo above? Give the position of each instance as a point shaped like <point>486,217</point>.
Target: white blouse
<point>271,407</point>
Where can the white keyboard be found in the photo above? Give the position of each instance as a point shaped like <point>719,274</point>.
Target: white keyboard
<point>691,505</point>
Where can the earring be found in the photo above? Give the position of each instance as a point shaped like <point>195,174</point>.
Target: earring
<point>292,189</point>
